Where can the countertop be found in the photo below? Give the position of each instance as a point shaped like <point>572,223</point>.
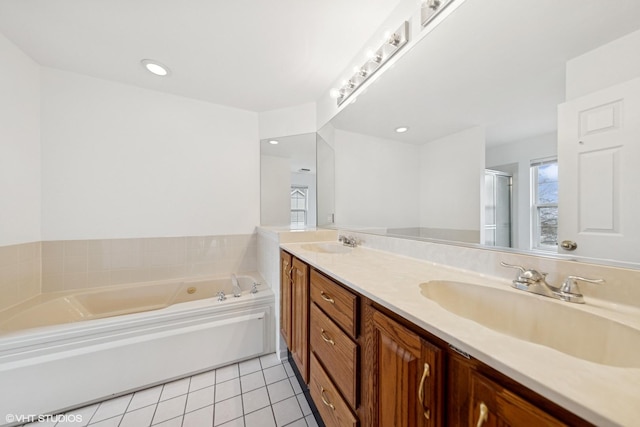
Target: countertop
<point>601,394</point>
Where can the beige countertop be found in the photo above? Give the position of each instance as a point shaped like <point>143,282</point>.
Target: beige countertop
<point>601,394</point>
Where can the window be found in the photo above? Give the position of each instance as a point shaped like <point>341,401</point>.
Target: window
<point>299,206</point>
<point>544,204</point>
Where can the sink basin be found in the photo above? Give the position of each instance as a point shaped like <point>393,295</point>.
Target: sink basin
<point>327,247</point>
<point>550,323</point>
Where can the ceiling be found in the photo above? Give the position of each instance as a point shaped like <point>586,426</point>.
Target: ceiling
<point>492,63</point>
<point>299,149</point>
<point>254,55</point>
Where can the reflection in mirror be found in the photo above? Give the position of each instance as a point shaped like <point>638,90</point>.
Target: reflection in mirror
<point>482,161</point>
<point>288,181</point>
<point>325,159</point>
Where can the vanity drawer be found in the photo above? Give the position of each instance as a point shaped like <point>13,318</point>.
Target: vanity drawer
<point>337,302</point>
<point>332,408</point>
<point>337,352</point>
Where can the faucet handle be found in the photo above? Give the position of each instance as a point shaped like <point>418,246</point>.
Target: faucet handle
<point>527,276</point>
<point>570,285</point>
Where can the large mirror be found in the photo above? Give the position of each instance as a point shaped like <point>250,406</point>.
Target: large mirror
<point>481,96</point>
<point>288,181</point>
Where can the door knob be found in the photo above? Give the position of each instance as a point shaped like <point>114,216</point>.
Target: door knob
<point>569,245</point>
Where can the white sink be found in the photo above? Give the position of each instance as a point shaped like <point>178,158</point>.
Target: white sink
<point>555,324</point>
<point>327,247</point>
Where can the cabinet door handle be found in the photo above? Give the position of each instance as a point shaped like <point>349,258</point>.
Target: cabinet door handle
<point>324,399</point>
<point>425,374</point>
<point>290,275</point>
<point>484,414</point>
<point>326,338</point>
<point>326,297</point>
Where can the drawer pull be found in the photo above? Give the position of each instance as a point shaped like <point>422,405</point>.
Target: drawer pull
<point>425,374</point>
<point>324,399</point>
<point>289,275</point>
<point>484,414</point>
<point>326,297</point>
<point>326,338</point>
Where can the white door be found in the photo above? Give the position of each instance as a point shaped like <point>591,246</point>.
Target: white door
<point>599,173</point>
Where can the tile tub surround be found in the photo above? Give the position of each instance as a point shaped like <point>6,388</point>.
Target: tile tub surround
<point>20,267</point>
<point>603,395</point>
<point>78,264</point>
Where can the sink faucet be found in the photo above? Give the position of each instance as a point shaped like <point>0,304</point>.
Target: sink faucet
<point>237,291</point>
<point>350,241</point>
<point>530,280</point>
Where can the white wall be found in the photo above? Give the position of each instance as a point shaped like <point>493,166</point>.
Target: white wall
<point>613,63</point>
<point>120,161</point>
<point>20,187</point>
<point>326,172</point>
<point>451,181</point>
<point>376,181</point>
<point>275,189</point>
<point>296,120</point>
<point>520,154</point>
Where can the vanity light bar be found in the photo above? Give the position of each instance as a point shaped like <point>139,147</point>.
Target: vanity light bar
<point>431,8</point>
<point>392,44</point>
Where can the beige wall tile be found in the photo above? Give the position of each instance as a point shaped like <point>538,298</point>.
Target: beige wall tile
<point>75,248</point>
<point>53,249</point>
<point>75,264</point>
<point>8,255</point>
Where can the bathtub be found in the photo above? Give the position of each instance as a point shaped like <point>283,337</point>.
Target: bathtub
<point>64,350</point>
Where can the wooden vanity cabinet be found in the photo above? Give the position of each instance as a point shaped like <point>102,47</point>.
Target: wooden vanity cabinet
<point>405,375</point>
<point>294,310</point>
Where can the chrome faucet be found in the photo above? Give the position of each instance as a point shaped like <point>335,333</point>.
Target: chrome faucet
<point>254,288</point>
<point>530,280</point>
<point>237,290</point>
<point>221,296</point>
<point>350,241</point>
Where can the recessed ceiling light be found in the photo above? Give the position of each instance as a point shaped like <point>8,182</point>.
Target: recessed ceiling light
<point>402,129</point>
<point>155,67</point>
<point>273,141</point>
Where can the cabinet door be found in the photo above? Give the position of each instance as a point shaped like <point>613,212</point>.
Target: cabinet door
<point>494,406</point>
<point>407,376</point>
<point>300,317</point>
<point>286,269</point>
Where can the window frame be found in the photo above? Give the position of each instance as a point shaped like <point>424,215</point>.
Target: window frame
<point>305,191</point>
<point>536,207</point>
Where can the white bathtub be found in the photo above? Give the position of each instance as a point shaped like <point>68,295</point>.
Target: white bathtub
<point>65,350</point>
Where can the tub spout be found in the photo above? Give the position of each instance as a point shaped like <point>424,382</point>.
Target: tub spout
<point>237,291</point>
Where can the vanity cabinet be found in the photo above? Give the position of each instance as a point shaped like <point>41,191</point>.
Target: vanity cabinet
<point>294,310</point>
<point>406,375</point>
<point>368,366</point>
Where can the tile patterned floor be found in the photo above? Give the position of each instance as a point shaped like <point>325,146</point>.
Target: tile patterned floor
<point>261,392</point>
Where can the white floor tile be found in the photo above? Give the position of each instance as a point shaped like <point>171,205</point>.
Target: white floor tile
<point>249,366</point>
<point>238,422</point>
<point>85,413</point>
<point>109,422</point>
<point>287,411</point>
<point>201,417</point>
<point>252,381</point>
<point>111,408</point>
<point>146,397</point>
<point>256,399</point>
<point>269,360</point>
<point>280,391</point>
<point>296,385</point>
<point>299,423</point>
<point>227,410</point>
<point>304,405</point>
<point>261,418</point>
<point>227,389</point>
<point>174,389</point>
<point>139,418</point>
<point>202,380</point>
<point>274,374</point>
<point>173,422</point>
<point>311,421</point>
<point>288,369</point>
<point>227,373</point>
<point>200,398</point>
<point>170,408</point>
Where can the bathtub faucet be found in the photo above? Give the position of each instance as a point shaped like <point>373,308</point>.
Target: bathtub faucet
<point>221,296</point>
<point>237,291</point>
<point>254,287</point>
